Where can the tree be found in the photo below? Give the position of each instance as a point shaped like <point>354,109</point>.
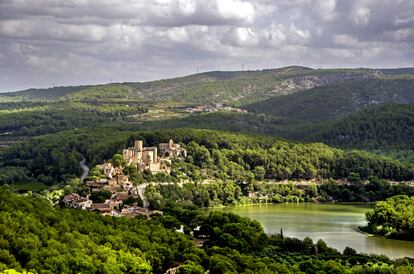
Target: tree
<point>354,178</point>
<point>100,196</point>
<point>118,160</point>
<point>96,172</point>
<point>190,267</point>
<point>130,170</point>
<point>259,172</point>
<point>350,252</point>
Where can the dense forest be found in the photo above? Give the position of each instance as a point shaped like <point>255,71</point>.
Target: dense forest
<point>229,193</point>
<point>382,129</point>
<point>393,218</point>
<point>212,155</point>
<point>286,104</point>
<point>338,99</point>
<point>36,119</point>
<point>232,121</point>
<point>40,238</point>
<point>389,126</point>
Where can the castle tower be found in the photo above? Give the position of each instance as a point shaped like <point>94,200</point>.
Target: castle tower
<point>155,155</point>
<point>138,145</point>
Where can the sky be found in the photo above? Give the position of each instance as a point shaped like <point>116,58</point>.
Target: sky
<point>46,43</point>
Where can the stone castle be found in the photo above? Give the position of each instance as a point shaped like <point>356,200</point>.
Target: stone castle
<point>147,158</point>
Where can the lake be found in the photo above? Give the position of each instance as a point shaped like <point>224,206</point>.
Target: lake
<point>334,223</point>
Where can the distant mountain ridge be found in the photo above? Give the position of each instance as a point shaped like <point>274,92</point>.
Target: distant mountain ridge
<point>229,87</point>
<point>44,93</point>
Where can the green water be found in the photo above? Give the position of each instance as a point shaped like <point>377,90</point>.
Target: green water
<point>333,223</point>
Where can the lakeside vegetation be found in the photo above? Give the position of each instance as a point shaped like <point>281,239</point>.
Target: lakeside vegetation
<point>40,238</point>
<point>392,218</point>
<point>228,193</point>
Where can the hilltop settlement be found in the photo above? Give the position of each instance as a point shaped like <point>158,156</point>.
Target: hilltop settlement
<point>113,194</point>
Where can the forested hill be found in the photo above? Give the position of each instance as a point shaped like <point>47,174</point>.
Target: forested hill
<point>238,87</point>
<point>295,103</point>
<point>389,126</point>
<point>378,127</point>
<point>45,93</point>
<point>212,155</point>
<point>329,102</point>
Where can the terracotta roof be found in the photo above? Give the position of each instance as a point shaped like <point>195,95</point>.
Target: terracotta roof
<point>122,196</point>
<point>101,207</point>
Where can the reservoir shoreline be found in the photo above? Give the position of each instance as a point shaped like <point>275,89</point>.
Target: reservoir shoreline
<point>336,224</point>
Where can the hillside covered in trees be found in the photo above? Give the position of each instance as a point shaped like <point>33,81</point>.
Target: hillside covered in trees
<point>212,155</point>
<point>229,193</point>
<point>333,101</point>
<point>293,103</point>
<point>389,126</point>
<point>384,127</point>
<point>40,238</point>
<point>28,120</point>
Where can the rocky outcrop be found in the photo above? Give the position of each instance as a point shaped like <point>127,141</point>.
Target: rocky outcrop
<point>300,83</point>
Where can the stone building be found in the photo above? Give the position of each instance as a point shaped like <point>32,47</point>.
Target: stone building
<point>147,158</point>
<point>171,149</point>
<point>76,201</point>
<point>110,171</point>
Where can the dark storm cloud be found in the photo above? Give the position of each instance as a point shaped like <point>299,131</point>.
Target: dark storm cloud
<point>85,41</point>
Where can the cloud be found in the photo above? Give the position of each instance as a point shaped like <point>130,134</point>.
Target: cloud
<point>87,41</point>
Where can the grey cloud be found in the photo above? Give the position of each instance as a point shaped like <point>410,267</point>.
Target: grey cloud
<point>88,41</point>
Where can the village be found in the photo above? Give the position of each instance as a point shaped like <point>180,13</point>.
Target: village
<point>194,109</point>
<point>119,196</point>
